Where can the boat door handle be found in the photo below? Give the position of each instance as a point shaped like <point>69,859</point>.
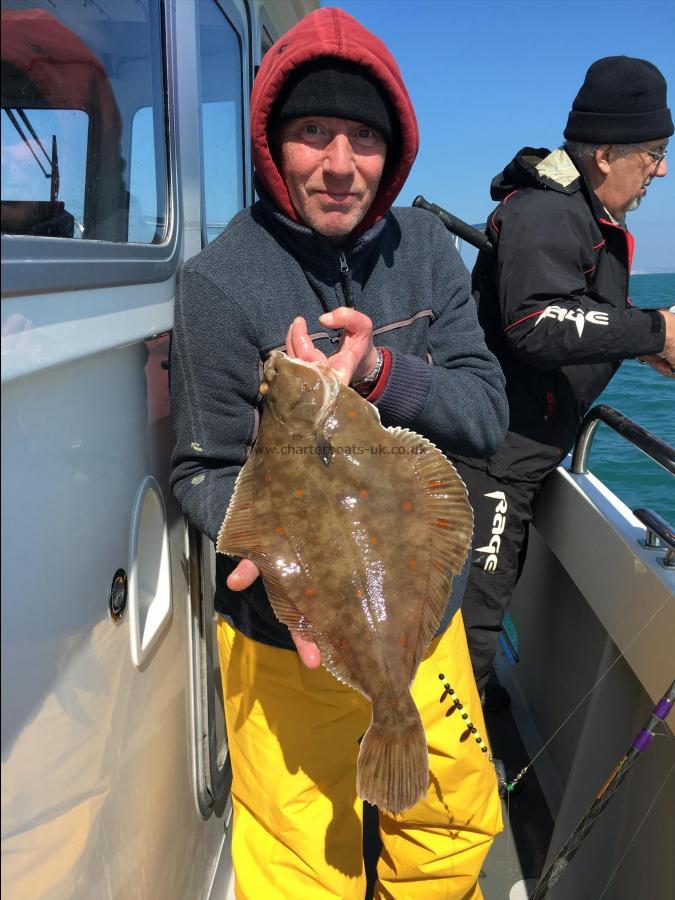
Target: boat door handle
<point>150,604</point>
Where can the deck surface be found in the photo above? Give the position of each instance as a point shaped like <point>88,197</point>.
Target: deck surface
<point>517,857</point>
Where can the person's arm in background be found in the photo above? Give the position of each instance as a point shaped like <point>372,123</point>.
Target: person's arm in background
<point>664,363</point>
<point>458,402</point>
<point>549,320</point>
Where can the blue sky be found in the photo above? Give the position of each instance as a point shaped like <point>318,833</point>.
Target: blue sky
<point>488,77</point>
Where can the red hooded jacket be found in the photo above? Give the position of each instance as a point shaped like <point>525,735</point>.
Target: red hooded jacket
<point>330,32</point>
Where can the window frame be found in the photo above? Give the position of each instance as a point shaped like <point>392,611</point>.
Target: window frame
<point>212,765</point>
<point>264,24</point>
<point>212,781</point>
<point>241,28</point>
<point>32,264</point>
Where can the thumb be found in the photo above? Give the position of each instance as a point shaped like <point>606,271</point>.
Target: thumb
<point>308,652</point>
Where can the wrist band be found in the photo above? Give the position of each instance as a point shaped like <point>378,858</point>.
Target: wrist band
<point>374,373</point>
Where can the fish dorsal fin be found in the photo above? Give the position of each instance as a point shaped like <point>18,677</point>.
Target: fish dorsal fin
<point>238,535</point>
<point>449,523</point>
<point>284,609</point>
<point>331,658</point>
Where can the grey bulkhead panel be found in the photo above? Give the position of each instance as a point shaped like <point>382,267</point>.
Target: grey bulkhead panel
<point>98,748</point>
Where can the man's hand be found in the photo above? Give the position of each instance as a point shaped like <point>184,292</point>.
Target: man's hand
<point>664,362</point>
<point>299,345</point>
<point>668,352</point>
<point>242,577</point>
<point>356,355</point>
<point>661,365</point>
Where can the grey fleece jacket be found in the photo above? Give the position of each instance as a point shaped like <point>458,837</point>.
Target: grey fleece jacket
<point>234,304</point>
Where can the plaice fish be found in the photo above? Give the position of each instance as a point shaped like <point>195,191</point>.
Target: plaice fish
<point>357,531</point>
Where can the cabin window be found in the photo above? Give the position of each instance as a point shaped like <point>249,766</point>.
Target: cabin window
<point>145,216</point>
<point>222,123</point>
<point>83,121</point>
<point>44,168</point>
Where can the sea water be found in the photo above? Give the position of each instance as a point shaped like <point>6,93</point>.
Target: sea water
<point>646,397</point>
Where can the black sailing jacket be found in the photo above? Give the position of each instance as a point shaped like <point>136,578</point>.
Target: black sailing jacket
<point>554,307</point>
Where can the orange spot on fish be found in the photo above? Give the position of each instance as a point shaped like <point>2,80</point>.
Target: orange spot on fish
<point>442,523</point>
<point>406,506</point>
<point>436,484</point>
<point>412,563</point>
<point>309,591</point>
<point>280,530</point>
<point>299,492</point>
<point>360,594</point>
<point>268,477</point>
<point>351,413</point>
<point>403,640</point>
<point>373,541</point>
<point>363,493</point>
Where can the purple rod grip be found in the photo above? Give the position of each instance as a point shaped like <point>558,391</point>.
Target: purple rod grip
<point>643,740</point>
<point>663,707</point>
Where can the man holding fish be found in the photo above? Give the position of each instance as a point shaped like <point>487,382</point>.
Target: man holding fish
<point>357,550</point>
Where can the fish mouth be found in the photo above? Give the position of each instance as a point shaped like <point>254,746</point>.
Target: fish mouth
<point>270,371</point>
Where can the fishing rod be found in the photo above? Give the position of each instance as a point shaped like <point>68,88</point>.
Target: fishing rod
<point>642,740</point>
<point>456,226</point>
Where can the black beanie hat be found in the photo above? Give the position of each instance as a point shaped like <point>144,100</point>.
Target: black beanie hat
<point>622,100</point>
<point>328,86</point>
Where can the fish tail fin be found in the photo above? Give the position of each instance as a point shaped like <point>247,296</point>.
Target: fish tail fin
<point>393,765</point>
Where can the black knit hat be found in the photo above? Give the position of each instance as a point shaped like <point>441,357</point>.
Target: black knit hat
<point>622,100</point>
<point>328,86</point>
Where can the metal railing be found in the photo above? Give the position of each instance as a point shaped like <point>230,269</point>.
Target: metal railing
<point>659,532</point>
<point>656,449</point>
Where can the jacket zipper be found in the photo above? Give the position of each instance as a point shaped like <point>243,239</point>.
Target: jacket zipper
<point>344,278</point>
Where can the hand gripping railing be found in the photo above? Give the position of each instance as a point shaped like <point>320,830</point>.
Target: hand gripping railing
<point>656,449</point>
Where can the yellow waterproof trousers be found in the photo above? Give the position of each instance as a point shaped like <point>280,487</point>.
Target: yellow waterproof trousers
<point>293,738</point>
